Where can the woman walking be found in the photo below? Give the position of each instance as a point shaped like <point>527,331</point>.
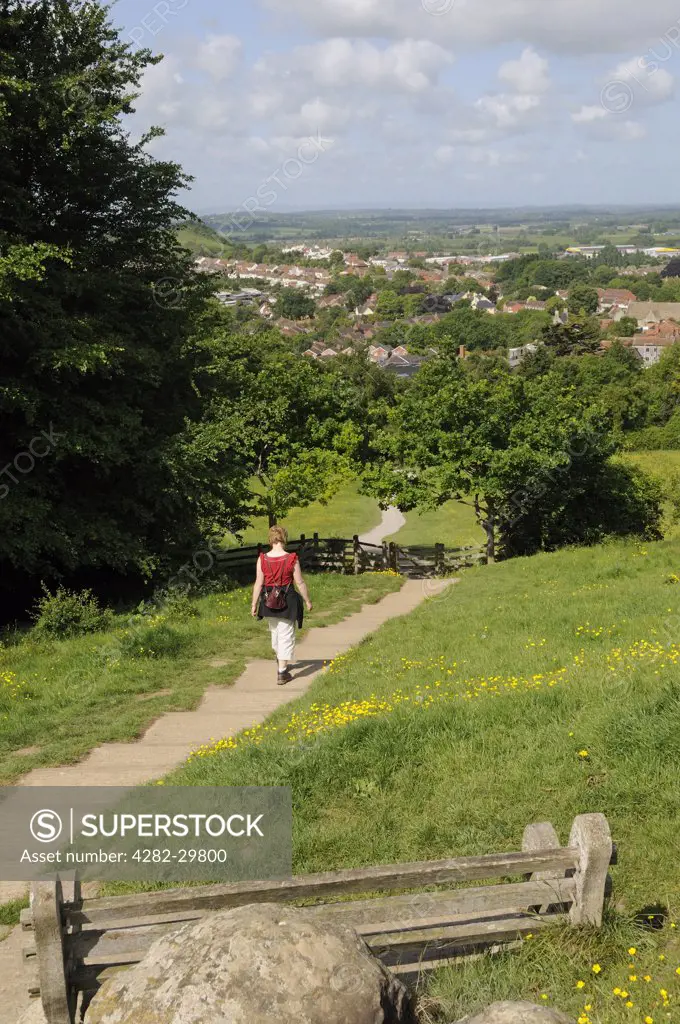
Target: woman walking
<point>276,599</point>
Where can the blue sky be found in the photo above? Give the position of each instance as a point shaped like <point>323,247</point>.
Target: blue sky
<point>418,103</point>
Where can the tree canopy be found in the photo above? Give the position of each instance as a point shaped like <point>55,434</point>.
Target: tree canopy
<point>99,308</point>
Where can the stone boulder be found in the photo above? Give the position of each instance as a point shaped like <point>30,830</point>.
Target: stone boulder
<point>518,1013</point>
<point>255,965</point>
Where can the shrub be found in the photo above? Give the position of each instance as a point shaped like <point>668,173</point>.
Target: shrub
<point>152,639</point>
<point>177,605</point>
<point>67,613</point>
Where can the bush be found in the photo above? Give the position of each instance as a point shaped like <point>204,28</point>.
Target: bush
<point>177,605</point>
<point>152,639</point>
<point>67,613</point>
<point>615,501</point>
<point>655,438</point>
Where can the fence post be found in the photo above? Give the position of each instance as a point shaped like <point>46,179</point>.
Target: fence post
<point>590,835</point>
<point>439,560</point>
<point>302,539</point>
<point>393,556</point>
<point>385,556</point>
<point>541,836</point>
<point>357,554</point>
<point>55,994</point>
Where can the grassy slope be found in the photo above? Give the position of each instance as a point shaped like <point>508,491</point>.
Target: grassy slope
<point>465,776</point>
<point>661,463</point>
<point>199,238</point>
<point>453,524</point>
<point>79,693</point>
<point>347,514</point>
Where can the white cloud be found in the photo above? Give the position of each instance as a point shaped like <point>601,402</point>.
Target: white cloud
<point>528,75</point>
<point>562,26</point>
<point>587,115</point>
<point>410,65</point>
<point>632,84</point>
<point>480,155</point>
<point>507,110</point>
<point>317,115</point>
<point>219,56</point>
<point>641,81</point>
<point>602,124</point>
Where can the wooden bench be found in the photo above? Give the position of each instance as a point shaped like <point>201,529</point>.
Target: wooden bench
<point>78,943</point>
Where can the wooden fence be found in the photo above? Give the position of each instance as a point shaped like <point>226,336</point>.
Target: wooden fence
<point>77,944</point>
<point>352,556</point>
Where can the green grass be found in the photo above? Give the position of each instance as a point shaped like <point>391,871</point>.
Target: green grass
<point>454,525</point>
<point>660,463</point>
<point>464,775</point>
<point>59,700</point>
<point>9,912</point>
<point>348,513</point>
<point>664,465</point>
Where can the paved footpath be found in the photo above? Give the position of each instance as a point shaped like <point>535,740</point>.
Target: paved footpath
<point>223,711</point>
<point>392,520</point>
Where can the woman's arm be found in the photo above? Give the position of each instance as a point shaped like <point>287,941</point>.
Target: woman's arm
<point>257,589</point>
<point>302,586</point>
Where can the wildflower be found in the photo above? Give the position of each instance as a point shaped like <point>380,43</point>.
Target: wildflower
<point>596,968</point>
<point>580,984</point>
<point>583,753</point>
<point>632,950</point>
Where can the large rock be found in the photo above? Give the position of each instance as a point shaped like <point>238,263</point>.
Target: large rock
<point>518,1013</point>
<point>255,965</point>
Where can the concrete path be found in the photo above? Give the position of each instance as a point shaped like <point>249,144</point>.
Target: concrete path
<point>392,520</point>
<point>224,711</point>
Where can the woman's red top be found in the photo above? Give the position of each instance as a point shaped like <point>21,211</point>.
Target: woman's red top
<point>278,572</point>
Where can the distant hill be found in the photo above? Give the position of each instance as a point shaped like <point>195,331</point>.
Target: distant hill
<point>200,239</point>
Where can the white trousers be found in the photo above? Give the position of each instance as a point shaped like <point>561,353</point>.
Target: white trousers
<point>283,638</point>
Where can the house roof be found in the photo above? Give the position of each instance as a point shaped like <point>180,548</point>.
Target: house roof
<point>609,296</point>
<point>654,311</point>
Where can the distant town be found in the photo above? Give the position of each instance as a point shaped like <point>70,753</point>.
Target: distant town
<point>393,307</point>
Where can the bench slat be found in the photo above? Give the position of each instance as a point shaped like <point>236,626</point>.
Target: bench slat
<point>330,883</point>
<point>428,947</point>
<point>391,913</point>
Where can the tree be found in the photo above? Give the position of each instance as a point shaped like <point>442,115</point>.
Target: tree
<point>294,305</point>
<point>472,328</point>
<point>293,441</point>
<point>102,319</point>
<point>581,334</point>
<point>527,454</point>
<point>389,306</point>
<point>583,299</point>
<point>609,256</point>
<point>359,291</point>
<point>626,327</point>
<point>337,259</point>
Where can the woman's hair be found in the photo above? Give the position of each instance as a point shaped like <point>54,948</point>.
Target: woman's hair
<point>278,535</point>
